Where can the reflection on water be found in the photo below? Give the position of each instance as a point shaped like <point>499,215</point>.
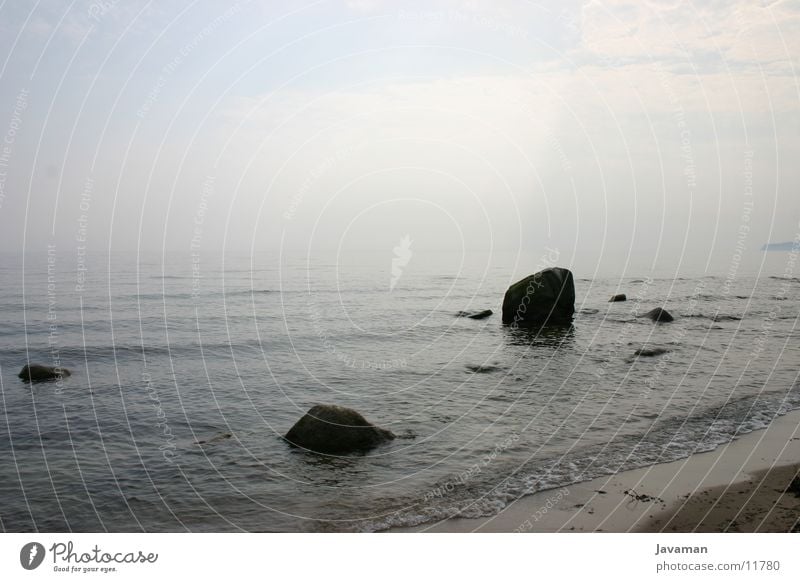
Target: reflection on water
<point>552,336</point>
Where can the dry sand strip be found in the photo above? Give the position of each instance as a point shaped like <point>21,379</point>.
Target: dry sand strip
<point>736,487</point>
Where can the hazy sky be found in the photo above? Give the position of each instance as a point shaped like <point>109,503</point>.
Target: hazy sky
<point>607,129</point>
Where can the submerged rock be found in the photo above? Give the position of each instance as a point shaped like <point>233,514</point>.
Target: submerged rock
<point>326,428</point>
<point>546,297</point>
<point>719,318</point>
<point>475,314</point>
<point>39,373</point>
<point>618,297</point>
<point>220,437</point>
<point>660,315</point>
<point>649,352</point>
<point>482,369</point>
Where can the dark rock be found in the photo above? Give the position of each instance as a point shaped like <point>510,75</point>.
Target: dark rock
<point>334,429</point>
<point>482,369</point>
<point>618,297</point>
<point>38,373</point>
<point>642,496</point>
<point>544,298</point>
<point>660,315</point>
<point>649,352</point>
<point>475,314</point>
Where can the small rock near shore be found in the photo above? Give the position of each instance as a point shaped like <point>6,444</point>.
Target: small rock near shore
<point>618,297</point>
<point>330,429</point>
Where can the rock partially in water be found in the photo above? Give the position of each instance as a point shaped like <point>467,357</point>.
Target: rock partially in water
<point>544,298</point>
<point>650,352</point>
<point>331,429</point>
<point>39,373</point>
<point>659,315</point>
<point>618,297</point>
<point>475,314</point>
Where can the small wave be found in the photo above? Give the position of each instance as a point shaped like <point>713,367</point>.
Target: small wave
<point>449,278</point>
<point>248,292</point>
<point>157,296</point>
<point>641,320</point>
<point>717,317</point>
<point>79,353</point>
<point>200,295</point>
<point>666,440</point>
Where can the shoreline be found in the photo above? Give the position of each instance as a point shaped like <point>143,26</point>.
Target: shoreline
<point>739,486</point>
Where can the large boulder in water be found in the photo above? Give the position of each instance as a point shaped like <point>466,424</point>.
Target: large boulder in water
<point>326,428</point>
<point>546,297</point>
<point>39,373</point>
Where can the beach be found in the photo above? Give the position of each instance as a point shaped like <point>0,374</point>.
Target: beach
<point>738,487</point>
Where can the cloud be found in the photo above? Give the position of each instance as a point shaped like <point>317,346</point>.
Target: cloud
<point>734,34</point>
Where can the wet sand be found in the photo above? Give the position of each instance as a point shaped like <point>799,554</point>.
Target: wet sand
<point>760,504</point>
<point>738,487</point>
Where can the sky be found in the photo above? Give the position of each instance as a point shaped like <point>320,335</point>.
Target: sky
<point>612,131</point>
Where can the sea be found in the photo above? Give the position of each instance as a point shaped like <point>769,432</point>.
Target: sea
<point>188,369</point>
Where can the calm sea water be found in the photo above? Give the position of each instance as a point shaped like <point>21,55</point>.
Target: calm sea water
<point>167,351</point>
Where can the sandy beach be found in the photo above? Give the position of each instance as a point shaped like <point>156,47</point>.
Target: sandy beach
<point>738,487</point>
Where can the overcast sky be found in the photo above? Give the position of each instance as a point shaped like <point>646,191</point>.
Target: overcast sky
<point>616,129</point>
